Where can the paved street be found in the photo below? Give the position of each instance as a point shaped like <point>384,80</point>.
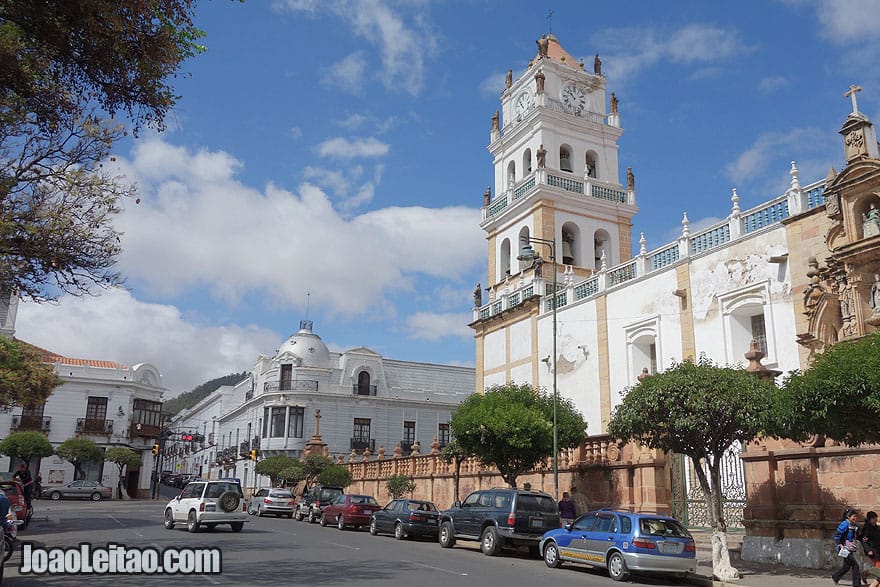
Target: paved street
<point>272,551</point>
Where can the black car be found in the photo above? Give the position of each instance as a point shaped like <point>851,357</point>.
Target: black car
<point>406,517</point>
<point>312,503</point>
<point>499,518</point>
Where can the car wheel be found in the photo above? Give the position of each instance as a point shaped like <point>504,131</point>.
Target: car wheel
<point>490,543</point>
<point>192,522</point>
<point>96,496</point>
<point>340,522</point>
<point>8,550</point>
<point>323,520</point>
<point>298,515</point>
<point>399,532</point>
<point>373,528</point>
<point>617,567</point>
<point>259,511</point>
<point>551,555</point>
<point>312,517</point>
<point>169,520</point>
<point>55,495</point>
<point>237,526</point>
<point>447,535</point>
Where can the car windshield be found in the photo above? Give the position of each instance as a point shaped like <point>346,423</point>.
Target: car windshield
<point>11,489</point>
<point>364,499</point>
<point>280,494</point>
<point>218,489</point>
<point>662,527</point>
<point>535,503</point>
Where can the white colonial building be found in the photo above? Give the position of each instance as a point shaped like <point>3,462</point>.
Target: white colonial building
<point>366,402</point>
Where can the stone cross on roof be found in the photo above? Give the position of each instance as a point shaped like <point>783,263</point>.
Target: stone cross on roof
<point>851,94</point>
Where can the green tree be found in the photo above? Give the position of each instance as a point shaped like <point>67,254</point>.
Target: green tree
<point>510,427</point>
<point>314,465</point>
<point>837,396</point>
<point>455,454</point>
<point>26,445</point>
<point>78,452</point>
<point>335,476</point>
<point>273,466</point>
<point>25,379</point>
<point>698,410</point>
<point>66,70</point>
<point>292,474</point>
<point>399,485</point>
<point>122,457</point>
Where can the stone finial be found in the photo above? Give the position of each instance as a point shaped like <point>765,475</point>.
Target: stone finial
<point>604,262</point>
<point>795,184</point>
<point>416,448</point>
<point>644,374</point>
<point>754,356</point>
<point>381,453</point>
<point>735,199</point>
<point>367,454</point>
<point>435,446</point>
<point>340,458</point>
<point>832,174</point>
<point>685,232</point>
<point>398,452</point>
<point>352,456</point>
<point>643,249</point>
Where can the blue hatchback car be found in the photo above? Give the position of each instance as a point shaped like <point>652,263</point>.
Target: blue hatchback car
<point>621,542</point>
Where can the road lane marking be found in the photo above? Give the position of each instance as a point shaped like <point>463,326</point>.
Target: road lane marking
<point>442,570</point>
<point>345,546</point>
<point>112,517</point>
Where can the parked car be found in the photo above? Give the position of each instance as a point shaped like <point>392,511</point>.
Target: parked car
<point>406,517</point>
<point>313,502</point>
<point>90,489</point>
<point>17,503</point>
<point>271,500</point>
<point>499,518</point>
<point>208,503</point>
<point>350,509</point>
<point>622,542</point>
<point>165,477</point>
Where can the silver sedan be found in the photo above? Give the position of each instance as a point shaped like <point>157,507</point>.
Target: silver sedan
<point>90,489</point>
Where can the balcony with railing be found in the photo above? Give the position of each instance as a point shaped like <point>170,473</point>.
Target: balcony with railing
<point>32,422</point>
<point>359,444</point>
<point>358,389</point>
<point>138,429</point>
<point>94,426</point>
<point>284,385</point>
<point>244,448</point>
<point>738,226</point>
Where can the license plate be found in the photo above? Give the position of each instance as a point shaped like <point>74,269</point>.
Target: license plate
<point>536,523</point>
<point>670,547</point>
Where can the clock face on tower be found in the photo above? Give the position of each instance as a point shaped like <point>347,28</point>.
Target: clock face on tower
<point>523,103</point>
<point>574,98</point>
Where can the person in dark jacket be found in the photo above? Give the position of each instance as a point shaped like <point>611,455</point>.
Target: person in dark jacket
<point>869,535</point>
<point>566,509</point>
<point>845,537</point>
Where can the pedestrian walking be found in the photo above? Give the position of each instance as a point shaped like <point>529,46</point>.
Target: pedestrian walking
<point>566,509</point>
<point>869,536</point>
<point>845,537</point>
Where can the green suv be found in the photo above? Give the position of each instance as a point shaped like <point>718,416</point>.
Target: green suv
<point>499,518</point>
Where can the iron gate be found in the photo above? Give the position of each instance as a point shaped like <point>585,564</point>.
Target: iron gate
<point>688,504</point>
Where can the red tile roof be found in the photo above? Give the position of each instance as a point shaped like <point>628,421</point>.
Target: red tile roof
<point>50,357</point>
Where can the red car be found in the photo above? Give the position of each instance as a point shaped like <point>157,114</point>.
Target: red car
<point>350,510</point>
<point>15,492</point>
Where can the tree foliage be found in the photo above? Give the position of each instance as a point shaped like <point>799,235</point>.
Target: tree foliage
<point>334,476</point>
<point>837,396</point>
<point>314,465</point>
<point>66,69</point>
<point>78,452</point>
<point>292,474</point>
<point>123,458</point>
<point>698,410</point>
<point>272,467</point>
<point>26,445</point>
<point>25,379</point>
<point>510,427</point>
<point>454,453</point>
<point>399,485</point>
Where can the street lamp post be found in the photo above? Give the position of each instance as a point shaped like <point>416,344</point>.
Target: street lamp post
<point>528,254</point>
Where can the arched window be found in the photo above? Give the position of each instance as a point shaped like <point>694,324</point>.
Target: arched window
<point>565,158</point>
<point>511,174</point>
<point>523,241</point>
<point>363,384</point>
<point>591,165</point>
<point>747,316</point>
<point>505,257</point>
<point>601,246</point>
<point>571,244</point>
<point>527,162</point>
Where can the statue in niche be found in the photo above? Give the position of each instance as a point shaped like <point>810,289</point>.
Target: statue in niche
<point>871,222</point>
<point>543,46</point>
<point>508,81</point>
<point>613,103</point>
<point>478,296</point>
<point>630,179</point>
<point>487,196</point>
<point>597,65</point>
<point>815,289</point>
<point>495,122</point>
<point>541,156</point>
<point>874,300</point>
<point>539,80</point>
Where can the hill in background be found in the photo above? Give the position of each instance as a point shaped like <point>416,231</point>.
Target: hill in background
<point>190,398</point>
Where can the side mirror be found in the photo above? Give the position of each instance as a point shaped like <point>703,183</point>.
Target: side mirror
<point>568,526</point>
<point>456,504</point>
<point>179,495</point>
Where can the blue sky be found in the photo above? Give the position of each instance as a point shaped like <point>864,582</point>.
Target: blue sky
<point>329,158</point>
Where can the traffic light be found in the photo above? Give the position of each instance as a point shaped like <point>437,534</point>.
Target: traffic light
<point>187,437</point>
<point>253,455</point>
<point>156,448</point>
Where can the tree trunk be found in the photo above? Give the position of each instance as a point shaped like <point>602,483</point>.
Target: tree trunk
<point>123,492</point>
<point>456,477</point>
<point>722,569</point>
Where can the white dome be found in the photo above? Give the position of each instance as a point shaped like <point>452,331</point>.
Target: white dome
<point>307,346</point>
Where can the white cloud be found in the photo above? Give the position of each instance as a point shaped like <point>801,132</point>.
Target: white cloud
<point>767,149</point>
<point>632,49</point>
<point>433,327</point>
<point>768,85</point>
<point>846,21</point>
<point>347,74</point>
<point>403,48</point>
<point>125,330</point>
<point>344,148</point>
<point>493,85</point>
<point>352,122</point>
<point>296,132</point>
<point>225,240</point>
